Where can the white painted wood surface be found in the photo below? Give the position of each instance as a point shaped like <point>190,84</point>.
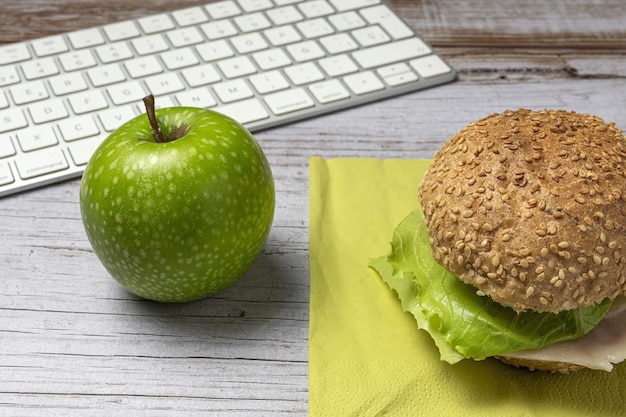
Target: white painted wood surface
<point>74,343</point>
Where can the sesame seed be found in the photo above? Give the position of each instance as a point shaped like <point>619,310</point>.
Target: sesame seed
<point>530,291</point>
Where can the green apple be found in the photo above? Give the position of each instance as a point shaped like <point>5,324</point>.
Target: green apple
<point>177,204</point>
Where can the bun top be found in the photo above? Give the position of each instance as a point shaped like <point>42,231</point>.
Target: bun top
<point>530,208</point>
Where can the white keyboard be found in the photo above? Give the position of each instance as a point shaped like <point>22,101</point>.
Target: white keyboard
<point>262,62</point>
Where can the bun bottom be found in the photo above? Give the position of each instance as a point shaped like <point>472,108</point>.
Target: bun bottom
<point>538,365</point>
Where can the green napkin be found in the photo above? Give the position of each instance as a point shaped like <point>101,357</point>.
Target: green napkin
<point>367,357</point>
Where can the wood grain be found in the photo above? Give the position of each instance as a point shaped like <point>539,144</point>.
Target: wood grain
<point>73,343</point>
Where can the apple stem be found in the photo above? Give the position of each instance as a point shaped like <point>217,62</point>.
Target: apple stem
<point>150,111</point>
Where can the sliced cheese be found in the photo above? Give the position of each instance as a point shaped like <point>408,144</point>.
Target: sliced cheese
<point>599,349</point>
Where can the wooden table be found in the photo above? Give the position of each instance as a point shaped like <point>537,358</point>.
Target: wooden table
<point>74,343</point>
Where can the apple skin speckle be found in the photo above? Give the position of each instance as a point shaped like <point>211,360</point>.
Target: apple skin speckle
<point>180,220</point>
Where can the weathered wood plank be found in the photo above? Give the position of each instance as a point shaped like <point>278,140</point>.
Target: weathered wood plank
<point>72,342</point>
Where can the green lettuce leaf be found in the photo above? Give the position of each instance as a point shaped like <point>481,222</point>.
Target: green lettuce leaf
<point>462,323</point>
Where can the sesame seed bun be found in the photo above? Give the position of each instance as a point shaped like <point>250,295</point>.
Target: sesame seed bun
<point>539,365</point>
<point>530,208</point>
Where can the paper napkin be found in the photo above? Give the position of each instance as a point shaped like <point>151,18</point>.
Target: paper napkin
<point>367,357</point>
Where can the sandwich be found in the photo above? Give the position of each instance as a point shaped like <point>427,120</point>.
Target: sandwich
<point>518,247</point>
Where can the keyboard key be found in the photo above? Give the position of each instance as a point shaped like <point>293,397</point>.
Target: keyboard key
<point>213,51</point>
<point>180,58</point>
<point>338,65</point>
<point>48,111</point>
<point>390,53</point>
<point>305,51</point>
<point>236,67</point>
<point>337,44</point>
<point>6,146</point>
<point>430,66</point>
<point>233,91</point>
<point>86,38</point>
<point>370,36</point>
<point>346,21</point>
<point>251,22</point>
<point>155,24</point>
<point>184,37</point>
<point>201,75</point>
<point>4,102</point>
<point>81,150</point>
<point>251,42</point>
<point>397,74</point>
<point>316,8</point>
<point>289,101</point>
<point>269,82</point>
<point>41,162</point>
<point>363,83</point>
<point>78,128</point>
<point>121,31</point>
<point>255,5</point>
<point>77,60</point>
<point>219,29</point>
<point>36,138</point>
<point>144,66</point>
<point>150,44</point>
<point>222,9</point>
<point>392,24</point>
<point>284,15</point>
<point>343,5</point>
<point>189,17</point>
<point>49,46</point>
<point>200,97</point>
<point>246,111</point>
<point>304,73</point>
<point>40,68</point>
<point>11,54</point>
<point>315,28</point>
<point>8,75</point>
<point>29,92</point>
<point>283,35</point>
<point>113,118</point>
<point>125,93</point>
<point>271,59</point>
<point>6,176</point>
<point>329,91</point>
<point>87,102</point>
<point>12,119</point>
<point>164,84</point>
<point>114,52</point>
<point>285,2</point>
<point>106,75</point>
